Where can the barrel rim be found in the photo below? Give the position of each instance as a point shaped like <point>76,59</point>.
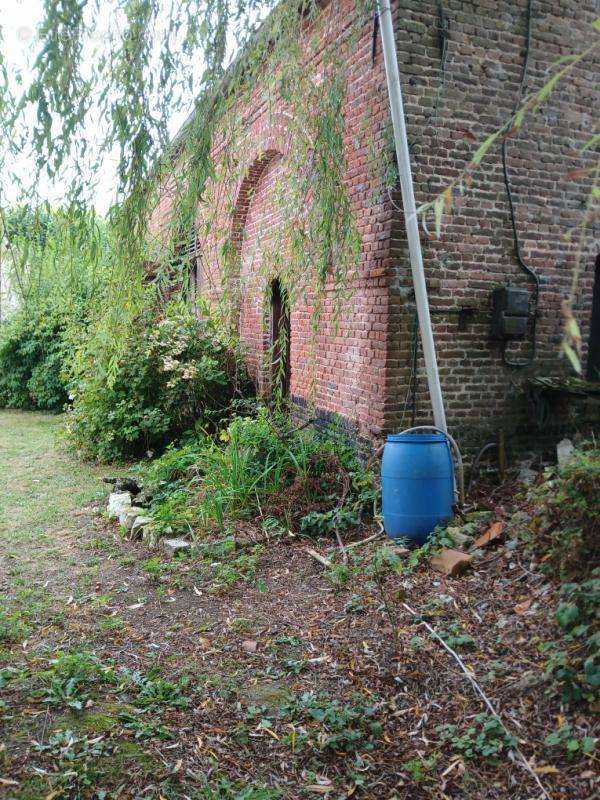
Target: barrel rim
<point>417,437</point>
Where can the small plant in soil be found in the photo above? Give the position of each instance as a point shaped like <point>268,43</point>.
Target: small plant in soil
<point>339,575</point>
<point>154,692</point>
<point>487,738</point>
<point>12,628</point>
<point>144,728</point>
<point>324,723</point>
<point>155,567</point>
<point>324,523</point>
<point>223,789</point>
<point>457,639</point>
<point>421,770</point>
<point>69,678</point>
<point>71,756</point>
<point>565,741</point>
<point>64,693</point>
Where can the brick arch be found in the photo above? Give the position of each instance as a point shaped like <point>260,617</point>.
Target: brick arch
<point>244,197</point>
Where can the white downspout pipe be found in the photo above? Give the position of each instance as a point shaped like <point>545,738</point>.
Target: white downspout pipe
<point>410,211</point>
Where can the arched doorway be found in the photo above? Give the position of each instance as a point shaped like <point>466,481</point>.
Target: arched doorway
<point>280,340</point>
<point>257,239</point>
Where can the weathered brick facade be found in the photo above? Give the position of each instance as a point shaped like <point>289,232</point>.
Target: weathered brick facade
<point>454,95</point>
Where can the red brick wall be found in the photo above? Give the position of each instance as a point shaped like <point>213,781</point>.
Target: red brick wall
<point>361,370</point>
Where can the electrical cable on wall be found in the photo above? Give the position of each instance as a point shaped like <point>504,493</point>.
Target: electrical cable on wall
<point>518,252</point>
<point>443,32</point>
<point>374,37</point>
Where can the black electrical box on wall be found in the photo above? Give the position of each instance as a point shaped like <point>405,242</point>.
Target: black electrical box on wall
<point>510,312</point>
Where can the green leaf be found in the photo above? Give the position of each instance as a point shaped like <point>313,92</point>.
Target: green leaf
<point>567,615</point>
<point>572,356</point>
<point>485,146</point>
<point>592,672</point>
<point>588,744</point>
<point>438,210</point>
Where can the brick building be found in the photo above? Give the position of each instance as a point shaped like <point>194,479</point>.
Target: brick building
<point>461,64</point>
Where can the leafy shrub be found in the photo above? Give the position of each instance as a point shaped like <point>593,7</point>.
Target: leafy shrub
<point>32,357</point>
<point>322,523</point>
<point>173,372</point>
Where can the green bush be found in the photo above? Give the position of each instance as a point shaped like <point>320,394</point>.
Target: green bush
<point>32,356</point>
<point>173,372</point>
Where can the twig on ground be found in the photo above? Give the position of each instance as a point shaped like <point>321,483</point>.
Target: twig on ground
<point>318,557</point>
<point>365,541</point>
<point>481,693</point>
<point>342,546</point>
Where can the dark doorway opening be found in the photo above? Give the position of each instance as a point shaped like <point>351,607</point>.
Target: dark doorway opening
<point>280,340</point>
<point>593,362</point>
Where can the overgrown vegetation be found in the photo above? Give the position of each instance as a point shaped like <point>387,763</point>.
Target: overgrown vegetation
<point>567,517</point>
<point>260,465</point>
<point>237,672</point>
<point>563,530</point>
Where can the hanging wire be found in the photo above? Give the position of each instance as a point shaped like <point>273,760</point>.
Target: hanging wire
<point>413,379</point>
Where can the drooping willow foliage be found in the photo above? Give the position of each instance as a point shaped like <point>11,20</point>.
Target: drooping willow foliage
<point>95,100</point>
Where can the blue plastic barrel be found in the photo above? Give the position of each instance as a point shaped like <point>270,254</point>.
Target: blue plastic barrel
<point>417,484</point>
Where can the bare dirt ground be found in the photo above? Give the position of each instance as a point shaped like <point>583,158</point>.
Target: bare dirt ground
<point>124,674</point>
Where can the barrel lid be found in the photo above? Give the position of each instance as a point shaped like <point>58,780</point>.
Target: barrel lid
<point>417,437</point>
